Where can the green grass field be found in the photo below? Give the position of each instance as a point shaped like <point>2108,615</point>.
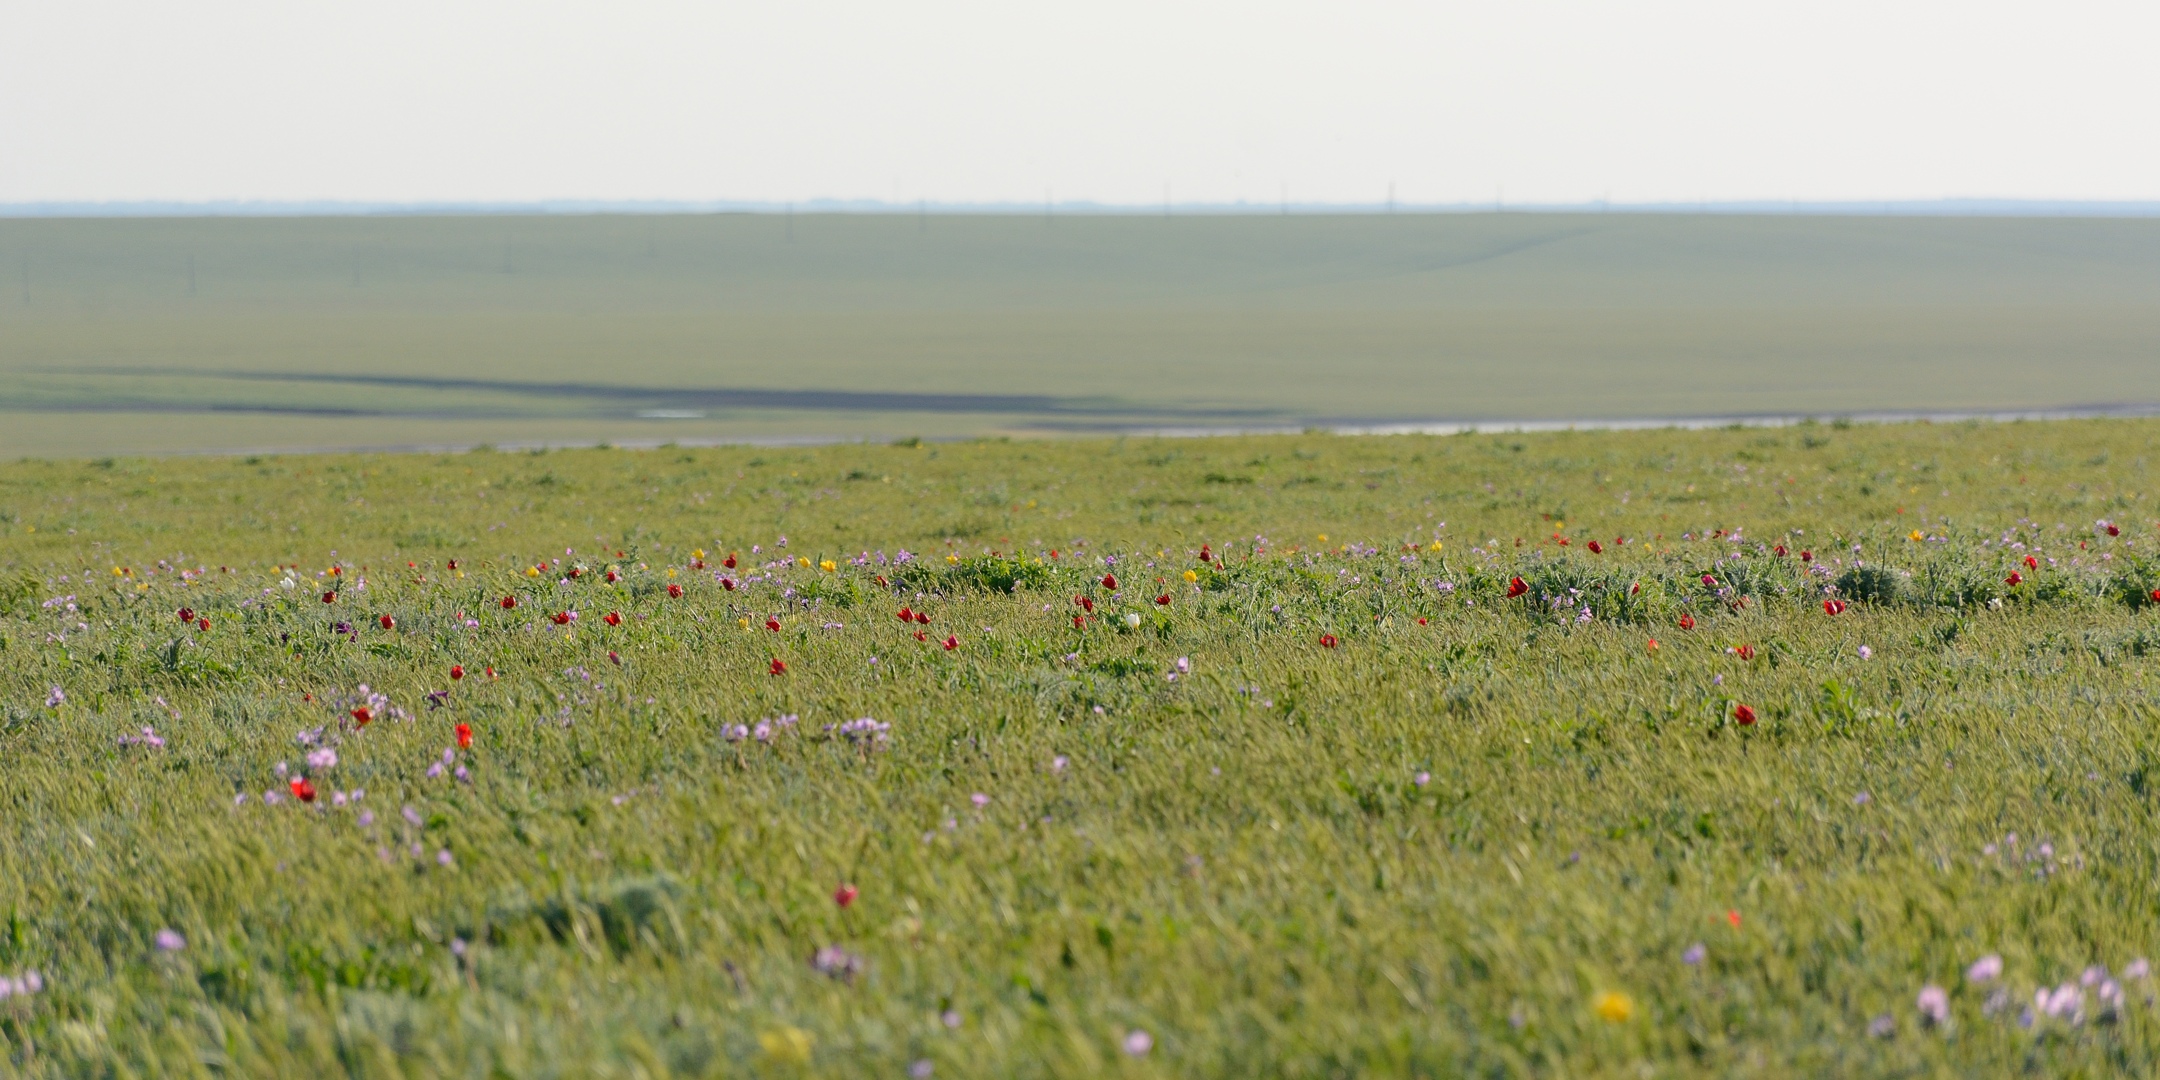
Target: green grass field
<point>1385,820</point>
<point>151,336</point>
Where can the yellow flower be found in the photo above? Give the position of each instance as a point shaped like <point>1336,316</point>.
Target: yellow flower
<point>786,1045</point>
<point>671,571</point>
<point>952,558</point>
<point>1436,545</point>
<point>1323,538</point>
<point>828,566</point>
<point>532,571</point>
<point>117,572</point>
<point>803,561</point>
<point>745,621</point>
<point>1614,1006</point>
<point>697,553</point>
<point>1191,577</point>
<point>1916,535</point>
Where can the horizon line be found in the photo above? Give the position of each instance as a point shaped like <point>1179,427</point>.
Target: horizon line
<point>211,208</point>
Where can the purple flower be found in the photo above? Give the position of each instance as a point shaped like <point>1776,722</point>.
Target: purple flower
<point>1138,1043</point>
<point>1058,763</point>
<point>1862,799</point>
<point>324,758</point>
<point>169,940</point>
<point>1422,779</point>
<point>1882,1027</point>
<point>979,799</point>
<point>1934,1005</point>
<point>412,817</point>
<point>2063,1002</point>
<point>920,1069</point>
<point>55,699</point>
<point>1866,653</point>
<point>1986,969</point>
<point>442,858</point>
<point>1695,955</point>
<point>2137,969</point>
<point>950,1018</point>
<point>367,818</point>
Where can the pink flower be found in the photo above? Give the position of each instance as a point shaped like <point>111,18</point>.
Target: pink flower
<point>1138,1043</point>
<point>1934,1005</point>
<point>1986,969</point>
<point>169,940</point>
<point>979,799</point>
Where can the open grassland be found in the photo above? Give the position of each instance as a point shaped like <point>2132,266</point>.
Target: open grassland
<point>1307,792</point>
<point>165,335</point>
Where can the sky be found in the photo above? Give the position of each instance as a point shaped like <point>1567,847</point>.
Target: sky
<point>1109,101</point>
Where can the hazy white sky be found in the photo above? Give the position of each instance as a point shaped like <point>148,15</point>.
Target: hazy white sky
<point>1109,100</point>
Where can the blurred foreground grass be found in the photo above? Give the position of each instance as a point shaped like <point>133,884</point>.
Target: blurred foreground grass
<point>1385,820</point>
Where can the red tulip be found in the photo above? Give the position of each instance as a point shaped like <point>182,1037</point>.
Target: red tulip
<point>613,577</point>
<point>1709,582</point>
<point>1079,621</point>
<point>674,592</point>
<point>329,597</point>
<point>728,584</point>
<point>1516,587</point>
<point>906,615</point>
<point>1651,646</point>
<point>457,671</point>
<point>2032,563</point>
<point>1205,556</point>
<point>611,619</point>
<point>202,624</point>
<point>1743,714</point>
<point>772,625</point>
<point>614,658</point>
<point>1163,600</point>
<point>1745,652</point>
<point>2112,530</point>
<point>777,668</point>
<point>453,564</point>
<point>1087,604</point>
<point>1779,551</point>
<point>844,895</point>
<point>388,623</point>
<point>490,672</point>
<point>562,618</point>
<point>362,717</point>
<point>509,602</point>
<point>1109,581</point>
<point>1421,620</point>
<point>1595,548</point>
<point>920,636</point>
<point>951,643</point>
<point>2014,580</point>
<point>1327,641</point>
<point>729,562</point>
<point>301,789</point>
<point>464,736</point>
<point>1687,622</point>
<point>2156,596</point>
<point>922,617</point>
<point>1733,916</point>
<point>187,614</point>
<point>1635,589</point>
<point>1807,556</point>
<point>1833,607</point>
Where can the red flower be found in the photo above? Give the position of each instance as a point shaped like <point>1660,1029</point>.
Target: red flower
<point>1516,587</point>
<point>362,717</point>
<point>1421,620</point>
<point>202,624</point>
<point>329,597</point>
<point>674,592</point>
<point>509,602</point>
<point>844,895</point>
<point>1205,556</point>
<point>464,736</point>
<point>728,584</point>
<point>453,564</point>
<point>777,668</point>
<point>1687,622</point>
<point>562,618</point>
<point>729,562</point>
<point>187,614</point>
<point>611,619</point>
<point>613,577</point>
<point>1163,600</point>
<point>1745,652</point>
<point>772,625</point>
<point>1079,621</point>
<point>1086,604</point>
<point>2032,563</point>
<point>1743,714</point>
<point>1634,589</point>
<point>574,571</point>
<point>1807,556</point>
<point>1709,582</point>
<point>1833,607</point>
<point>614,658</point>
<point>920,636</point>
<point>922,617</point>
<point>951,643</point>
<point>2112,530</point>
<point>906,615</point>
<point>1733,916</point>
<point>2014,580</point>
<point>1651,645</point>
<point>1327,641</point>
<point>388,623</point>
<point>457,671</point>
<point>1109,581</point>
<point>301,789</point>
<point>490,672</point>
<point>2156,596</point>
<point>1779,551</point>
<point>1595,548</point>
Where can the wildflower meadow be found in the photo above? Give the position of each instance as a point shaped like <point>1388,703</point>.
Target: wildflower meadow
<point>1825,749</point>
